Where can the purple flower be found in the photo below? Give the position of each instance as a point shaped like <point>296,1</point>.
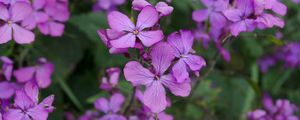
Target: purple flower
<point>163,8</point>
<point>107,5</point>
<point>182,43</point>
<point>58,13</point>
<point>281,110</point>
<point>26,105</point>
<point>108,83</point>
<point>200,35</point>
<point>7,67</point>
<point>6,88</point>
<point>106,38</point>
<point>10,29</point>
<point>37,16</point>
<point>240,17</point>
<point>213,12</point>
<point>290,54</point>
<point>155,79</point>
<point>11,2</point>
<point>110,107</point>
<point>266,62</point>
<point>89,115</point>
<point>120,23</point>
<point>40,74</point>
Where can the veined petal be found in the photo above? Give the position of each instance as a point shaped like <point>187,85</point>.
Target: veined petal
<point>137,74</point>
<point>149,38</point>
<point>148,17</point>
<point>200,15</point>
<point>179,71</point>
<point>119,21</point>
<point>164,9</point>
<point>38,113</point>
<point>13,114</point>
<point>43,75</point>
<point>162,55</point>
<point>24,74</point>
<point>32,91</point>
<point>194,62</point>
<point>22,35</point>
<point>125,41</point>
<point>139,4</point>
<point>22,100</point>
<point>178,89</point>
<point>47,103</point>
<point>6,90</point>
<point>4,15</point>
<point>19,11</point>
<point>233,15</point>
<point>116,102</point>
<point>5,33</point>
<point>102,104</point>
<point>155,97</point>
<point>238,27</point>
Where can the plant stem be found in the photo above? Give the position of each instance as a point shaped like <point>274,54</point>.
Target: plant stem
<point>24,54</point>
<point>128,107</point>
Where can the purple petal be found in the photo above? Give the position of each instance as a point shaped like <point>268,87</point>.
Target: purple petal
<point>102,105</point>
<point>24,74</point>
<point>148,17</point>
<point>164,9</point>
<point>43,75</point>
<point>38,113</point>
<point>238,27</point>
<point>114,74</point>
<point>112,117</point>
<point>200,15</point>
<point>279,8</point>
<point>62,13</point>
<point>4,15</point>
<point>19,11</point>
<point>218,20</point>
<point>5,33</point>
<point>7,67</point>
<point>32,91</point>
<point>118,50</point>
<point>44,28</point>
<point>47,103</point>
<point>114,34</point>
<point>233,15</point>
<point>126,41</point>
<point>178,89</point>
<point>137,74</point>
<point>179,71</point>
<point>22,100</point>
<point>194,62</point>
<point>6,90</point>
<point>38,4</point>
<point>155,97</point>
<point>207,3</point>
<point>164,116</point>
<point>56,29</point>
<point>246,7</point>
<point>14,114</point>
<point>22,35</point>
<point>257,114</point>
<point>149,38</point>
<point>162,56</point>
<point>181,42</point>
<point>120,22</point>
<point>139,4</point>
<point>116,102</point>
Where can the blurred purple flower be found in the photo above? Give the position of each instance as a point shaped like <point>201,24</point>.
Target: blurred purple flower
<point>107,5</point>
<point>290,54</point>
<point>121,24</point>
<point>89,115</point>
<point>182,43</point>
<point>37,16</point>
<point>106,38</point>
<point>266,62</point>
<point>110,107</point>
<point>163,8</point>
<point>39,74</point>
<point>7,67</point>
<point>112,79</point>
<point>200,35</point>
<point>155,79</point>
<point>26,105</point>
<point>281,110</point>
<point>11,2</point>
<point>10,29</point>
<point>7,89</point>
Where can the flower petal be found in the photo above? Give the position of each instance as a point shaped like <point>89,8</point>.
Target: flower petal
<point>164,9</point>
<point>37,113</point>
<point>13,114</point>
<point>102,104</point>
<point>178,89</point>
<point>233,15</point>
<point>56,29</point>
<point>279,8</point>
<point>47,103</point>
<point>162,55</point>
<point>149,38</point>
<point>200,15</point>
<point>137,74</point>
<point>155,97</point>
<point>114,74</point>
<point>7,67</point>
<point>24,74</point>
<point>22,35</point>
<point>139,4</point>
<point>126,41</point>
<point>19,11</point>
<point>120,22</point>
<point>6,90</point>
<point>5,33</point>
<point>218,20</point>
<point>194,62</point>
<point>43,75</point>
<point>238,27</point>
<point>22,100</point>
<point>4,15</point>
<point>179,71</point>
<point>116,102</point>
<point>148,17</point>
<point>32,91</point>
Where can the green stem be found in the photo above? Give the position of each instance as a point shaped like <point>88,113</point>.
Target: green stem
<point>24,54</point>
<point>69,93</point>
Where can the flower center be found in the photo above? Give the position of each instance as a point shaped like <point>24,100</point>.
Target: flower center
<point>135,32</point>
<point>156,77</point>
<point>9,22</point>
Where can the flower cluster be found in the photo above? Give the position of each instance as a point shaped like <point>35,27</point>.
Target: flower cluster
<point>19,17</point>
<point>24,91</point>
<point>289,54</point>
<point>280,110</point>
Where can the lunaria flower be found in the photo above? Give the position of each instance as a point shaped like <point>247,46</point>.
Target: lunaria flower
<point>155,78</point>
<point>112,79</point>
<point>110,107</point>
<point>107,5</point>
<point>121,25</point>
<point>280,110</point>
<point>182,43</point>
<point>11,16</point>
<point>39,74</point>
<point>107,37</point>
<point>6,88</point>
<point>26,105</point>
<point>163,8</point>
